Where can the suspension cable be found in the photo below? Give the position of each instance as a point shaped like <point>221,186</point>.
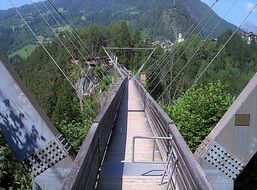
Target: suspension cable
<point>82,44</point>
<point>251,11</point>
<point>174,63</point>
<point>68,39</point>
<point>96,74</point>
<point>191,33</point>
<point>141,68</point>
<point>60,69</point>
<point>214,58</point>
<point>57,36</point>
<point>188,30</point>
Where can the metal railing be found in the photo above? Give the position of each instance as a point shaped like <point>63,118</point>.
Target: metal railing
<point>171,170</point>
<point>85,170</point>
<point>189,173</point>
<point>155,139</point>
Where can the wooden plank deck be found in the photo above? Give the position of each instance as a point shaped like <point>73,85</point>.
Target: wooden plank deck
<point>118,171</point>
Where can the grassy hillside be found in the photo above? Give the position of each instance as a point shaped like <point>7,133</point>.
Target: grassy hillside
<point>24,52</point>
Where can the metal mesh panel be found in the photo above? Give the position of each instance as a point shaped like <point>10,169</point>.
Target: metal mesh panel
<point>47,156</point>
<point>224,161</point>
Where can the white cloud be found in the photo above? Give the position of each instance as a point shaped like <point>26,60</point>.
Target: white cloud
<point>250,6</point>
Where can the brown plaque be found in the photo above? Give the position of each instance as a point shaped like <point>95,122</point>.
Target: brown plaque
<point>242,120</point>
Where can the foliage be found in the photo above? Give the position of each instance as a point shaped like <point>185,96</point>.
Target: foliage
<point>237,62</point>
<point>117,35</point>
<point>56,95</point>
<point>75,132</point>
<point>12,174</point>
<point>198,110</point>
<point>66,106</point>
<point>6,38</point>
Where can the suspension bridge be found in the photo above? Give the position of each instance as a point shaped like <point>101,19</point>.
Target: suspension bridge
<point>132,143</point>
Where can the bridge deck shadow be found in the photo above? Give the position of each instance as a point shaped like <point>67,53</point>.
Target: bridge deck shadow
<point>118,171</point>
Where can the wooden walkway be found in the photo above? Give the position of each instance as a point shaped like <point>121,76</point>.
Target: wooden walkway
<point>118,171</point>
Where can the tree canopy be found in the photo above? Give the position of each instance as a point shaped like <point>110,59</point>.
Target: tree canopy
<point>198,110</point>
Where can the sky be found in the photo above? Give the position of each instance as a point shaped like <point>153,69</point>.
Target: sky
<point>238,12</point>
<point>235,16</point>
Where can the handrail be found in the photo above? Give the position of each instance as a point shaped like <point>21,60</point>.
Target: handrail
<point>190,174</point>
<point>153,152</point>
<point>85,169</point>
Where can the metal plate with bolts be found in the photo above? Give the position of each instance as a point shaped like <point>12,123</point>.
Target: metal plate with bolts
<point>46,157</point>
<point>224,161</point>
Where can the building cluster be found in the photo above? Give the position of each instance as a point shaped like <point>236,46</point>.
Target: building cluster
<point>167,44</point>
<point>91,61</point>
<point>250,36</point>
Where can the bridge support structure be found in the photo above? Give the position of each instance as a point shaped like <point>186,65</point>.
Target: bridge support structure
<point>37,144</point>
<point>233,142</point>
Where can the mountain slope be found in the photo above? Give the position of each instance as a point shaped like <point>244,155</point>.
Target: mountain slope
<point>161,18</point>
<point>198,8</point>
<point>182,14</point>
<point>249,27</point>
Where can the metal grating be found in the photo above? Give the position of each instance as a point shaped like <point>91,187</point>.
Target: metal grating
<point>224,161</point>
<point>47,156</point>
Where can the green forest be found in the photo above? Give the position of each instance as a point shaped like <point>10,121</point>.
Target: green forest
<point>197,109</point>
<point>216,87</point>
<point>56,96</point>
<point>214,92</point>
